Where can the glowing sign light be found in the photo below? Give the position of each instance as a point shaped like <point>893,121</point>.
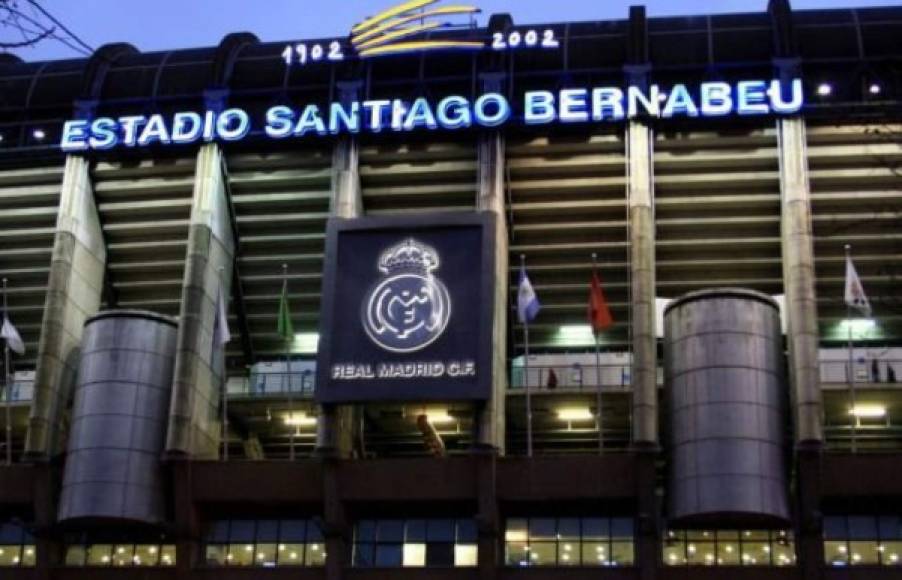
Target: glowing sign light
<point>570,105</point>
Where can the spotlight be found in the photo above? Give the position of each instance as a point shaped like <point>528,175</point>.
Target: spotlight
<point>39,134</point>
<point>874,89</point>
<point>824,90</point>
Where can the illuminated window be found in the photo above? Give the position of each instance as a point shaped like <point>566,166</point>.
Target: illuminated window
<point>16,546</point>
<point>82,552</point>
<point>415,543</point>
<point>728,548</point>
<point>264,543</point>
<point>863,541</point>
<point>569,542</point>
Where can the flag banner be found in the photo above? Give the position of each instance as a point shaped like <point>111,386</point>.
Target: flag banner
<point>221,334</point>
<point>598,312</point>
<point>285,329</point>
<point>527,302</point>
<point>855,296</point>
<point>9,333</point>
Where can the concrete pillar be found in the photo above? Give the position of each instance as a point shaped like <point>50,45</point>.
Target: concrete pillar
<point>640,196</point>
<point>490,197</point>
<point>796,241</point>
<point>74,293</point>
<point>340,425</point>
<point>194,419</point>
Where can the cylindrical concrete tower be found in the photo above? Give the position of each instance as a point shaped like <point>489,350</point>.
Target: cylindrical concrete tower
<point>119,419</point>
<point>726,392</point>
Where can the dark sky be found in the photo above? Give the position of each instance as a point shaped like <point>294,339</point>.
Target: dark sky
<point>168,24</point>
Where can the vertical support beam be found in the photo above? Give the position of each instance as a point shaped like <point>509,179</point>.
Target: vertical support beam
<point>640,195</point>
<point>74,292</point>
<point>340,425</point>
<point>490,197</point>
<point>194,420</point>
<point>797,243</point>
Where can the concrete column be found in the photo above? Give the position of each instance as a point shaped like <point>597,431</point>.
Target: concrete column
<point>640,196</point>
<point>339,425</point>
<point>490,197</point>
<point>73,294</point>
<point>194,419</point>
<point>796,241</point>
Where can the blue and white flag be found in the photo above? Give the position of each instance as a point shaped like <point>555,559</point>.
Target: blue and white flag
<point>9,333</point>
<point>527,302</point>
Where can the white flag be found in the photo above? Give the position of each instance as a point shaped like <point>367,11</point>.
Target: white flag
<point>9,333</point>
<point>221,334</point>
<point>855,296</point>
<point>527,302</point>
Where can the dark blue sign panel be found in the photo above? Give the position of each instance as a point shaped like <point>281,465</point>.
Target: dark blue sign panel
<point>407,309</point>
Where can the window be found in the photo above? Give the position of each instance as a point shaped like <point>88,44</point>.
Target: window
<point>569,542</point>
<point>415,543</point>
<point>16,546</point>
<point>728,548</point>
<point>856,540</point>
<point>264,543</point>
<point>85,553</point>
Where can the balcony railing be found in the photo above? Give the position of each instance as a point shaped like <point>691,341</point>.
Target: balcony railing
<point>871,371</point>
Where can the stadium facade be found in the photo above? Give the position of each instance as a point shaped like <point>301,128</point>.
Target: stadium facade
<point>271,302</point>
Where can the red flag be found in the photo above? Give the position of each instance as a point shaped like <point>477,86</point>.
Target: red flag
<point>599,314</point>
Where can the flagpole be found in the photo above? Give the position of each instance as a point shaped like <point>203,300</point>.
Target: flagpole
<point>223,382</point>
<point>852,397</point>
<point>288,371</point>
<point>526,372</point>
<point>6,386</point>
<point>598,401</point>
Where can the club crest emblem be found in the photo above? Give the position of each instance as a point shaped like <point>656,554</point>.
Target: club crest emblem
<point>409,308</point>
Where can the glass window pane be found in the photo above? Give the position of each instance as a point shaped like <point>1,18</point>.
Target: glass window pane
<point>700,553</point>
<point>889,528</point>
<point>542,529</point>
<point>167,555</point>
<point>517,554</point>
<point>218,532</point>
<point>756,553</point>
<point>314,532</point>
<point>265,555</point>
<point>99,555</point>
<point>863,553</point>
<point>242,531</point>
<point>147,555</point>
<point>622,554</point>
<point>240,555</point>
<point>516,530</point>
<point>727,536</point>
<point>28,556</point>
<point>466,532</point>
<point>440,531</point>
<point>675,554</point>
<point>596,528</point>
<point>414,555</point>
<point>622,528</point>
<point>595,553</point>
<point>267,531</point>
<point>862,528</point>
<point>891,554</point>
<point>466,555</point>
<point>784,554</point>
<point>835,528</point>
<point>10,555</point>
<point>390,531</point>
<point>123,554</point>
<point>836,553</point>
<point>728,552</point>
<point>416,531</point>
<point>568,529</point>
<point>10,534</point>
<point>216,554</point>
<point>388,555</point>
<point>290,554</point>
<point>364,555</point>
<point>568,553</point>
<point>75,556</point>
<point>315,555</point>
<point>542,553</point>
<point>440,555</point>
<point>366,531</point>
<point>755,535</point>
<point>700,535</point>
<point>294,531</point>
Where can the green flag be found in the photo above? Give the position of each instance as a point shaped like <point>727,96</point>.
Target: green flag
<point>285,330</point>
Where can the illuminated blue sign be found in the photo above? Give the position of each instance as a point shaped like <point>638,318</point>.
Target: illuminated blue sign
<point>571,105</point>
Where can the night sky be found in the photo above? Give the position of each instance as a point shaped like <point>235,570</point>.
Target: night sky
<point>170,24</point>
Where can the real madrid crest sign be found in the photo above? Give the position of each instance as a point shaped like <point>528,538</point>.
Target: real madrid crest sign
<point>407,311</point>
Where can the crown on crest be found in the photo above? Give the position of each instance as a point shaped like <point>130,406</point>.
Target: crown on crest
<point>408,256</point>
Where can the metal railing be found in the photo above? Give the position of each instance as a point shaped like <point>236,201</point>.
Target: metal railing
<point>870,371</point>
<point>19,392</point>
<point>301,383</point>
<point>574,377</point>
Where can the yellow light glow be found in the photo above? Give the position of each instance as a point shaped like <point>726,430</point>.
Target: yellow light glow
<point>300,420</point>
<point>439,417</point>
<point>515,535</point>
<point>575,414</point>
<point>868,411</point>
